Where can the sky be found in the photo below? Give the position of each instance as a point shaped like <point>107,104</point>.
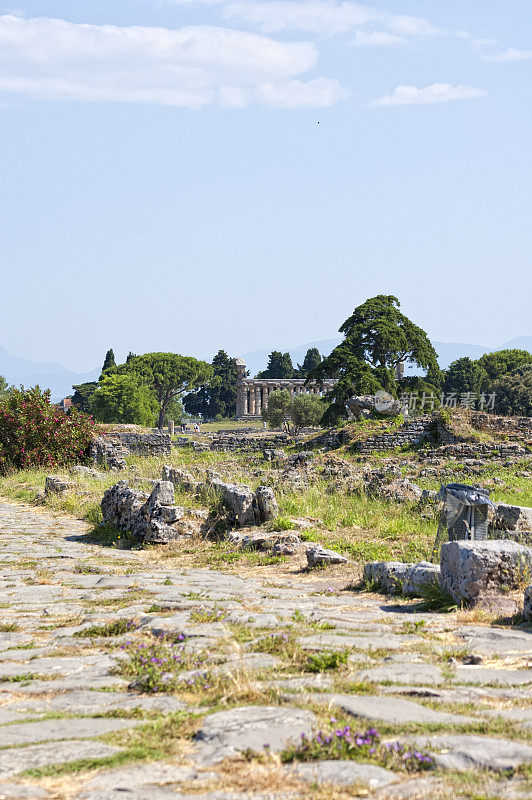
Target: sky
<point>189,175</point>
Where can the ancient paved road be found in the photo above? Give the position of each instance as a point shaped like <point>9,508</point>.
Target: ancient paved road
<point>61,700</point>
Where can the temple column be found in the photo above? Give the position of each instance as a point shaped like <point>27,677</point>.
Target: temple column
<point>241,388</point>
<point>245,405</point>
<point>265,394</point>
<point>258,399</point>
<point>252,401</point>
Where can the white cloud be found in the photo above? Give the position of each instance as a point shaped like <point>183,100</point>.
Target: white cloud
<point>376,39</point>
<point>436,93</point>
<point>322,17</point>
<point>315,16</point>
<point>193,66</point>
<point>511,54</point>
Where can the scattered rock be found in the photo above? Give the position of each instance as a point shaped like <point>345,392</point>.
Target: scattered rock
<point>318,556</point>
<point>527,604</point>
<point>512,518</point>
<point>57,485</point>
<point>473,571</point>
<point>268,508</point>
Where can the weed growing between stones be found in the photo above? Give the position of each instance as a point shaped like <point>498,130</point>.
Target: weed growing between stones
<point>87,569</point>
<point>155,667</point>
<point>346,743</point>
<point>9,627</point>
<point>321,662</point>
<point>204,614</point>
<point>117,628</point>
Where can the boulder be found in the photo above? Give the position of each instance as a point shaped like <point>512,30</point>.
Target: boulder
<point>239,500</point>
<point>421,578</point>
<point>268,508</point>
<point>318,556</point>
<point>180,478</point>
<point>473,570</point>
<point>512,518</point>
<point>527,604</point>
<point>57,485</point>
<point>153,519</point>
<point>87,472</point>
<point>386,576</point>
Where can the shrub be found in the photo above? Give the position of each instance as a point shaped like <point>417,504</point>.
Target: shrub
<point>34,433</point>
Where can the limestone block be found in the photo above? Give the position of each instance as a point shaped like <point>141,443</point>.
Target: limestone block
<point>387,576</point>
<point>318,556</point>
<point>472,569</point>
<point>268,508</point>
<point>512,518</point>
<point>420,578</point>
<point>527,605</point>
<point>57,485</point>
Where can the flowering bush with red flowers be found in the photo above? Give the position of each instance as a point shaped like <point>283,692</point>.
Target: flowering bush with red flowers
<point>34,433</point>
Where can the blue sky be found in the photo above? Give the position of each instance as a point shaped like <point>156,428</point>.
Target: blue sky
<point>186,175</point>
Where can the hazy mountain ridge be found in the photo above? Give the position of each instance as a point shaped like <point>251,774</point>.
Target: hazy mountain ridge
<point>59,379</point>
<point>47,375</point>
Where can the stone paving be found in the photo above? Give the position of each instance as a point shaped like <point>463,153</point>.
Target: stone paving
<point>461,692</point>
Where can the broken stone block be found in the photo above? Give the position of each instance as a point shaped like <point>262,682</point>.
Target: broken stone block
<point>57,485</point>
<point>512,518</point>
<point>527,604</point>
<point>421,578</point>
<point>180,478</point>
<point>386,576</point>
<point>471,570</point>
<point>268,508</point>
<point>239,499</point>
<point>318,556</point>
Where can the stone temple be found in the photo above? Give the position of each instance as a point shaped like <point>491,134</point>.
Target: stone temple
<point>252,393</point>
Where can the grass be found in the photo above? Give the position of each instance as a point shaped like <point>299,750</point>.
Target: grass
<point>117,628</point>
<point>9,627</point>
<point>364,528</point>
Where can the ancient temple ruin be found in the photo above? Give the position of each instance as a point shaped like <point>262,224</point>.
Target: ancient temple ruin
<point>252,393</point>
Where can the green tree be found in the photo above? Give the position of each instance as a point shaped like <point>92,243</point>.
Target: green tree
<point>312,360</point>
<point>279,366</point>
<point>500,363</point>
<point>377,337</point>
<point>279,407</point>
<point>464,375</point>
<point>168,375</point>
<point>82,396</point>
<point>5,388</point>
<point>109,363</point>
<point>218,397</point>
<point>306,411</point>
<point>513,392</point>
<point>124,399</point>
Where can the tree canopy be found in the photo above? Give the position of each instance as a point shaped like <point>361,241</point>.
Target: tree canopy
<point>279,366</point>
<point>168,375</point>
<point>217,398</point>
<point>124,399</point>
<point>312,360</point>
<point>514,392</point>
<point>108,363</point>
<point>377,336</point>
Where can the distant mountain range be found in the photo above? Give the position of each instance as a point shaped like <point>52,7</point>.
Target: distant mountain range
<point>47,375</point>
<point>447,351</point>
<point>60,380</point>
